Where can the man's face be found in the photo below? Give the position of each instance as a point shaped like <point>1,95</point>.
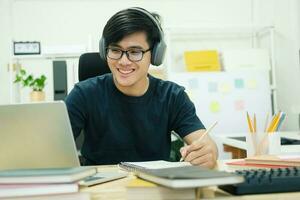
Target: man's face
<point>128,73</point>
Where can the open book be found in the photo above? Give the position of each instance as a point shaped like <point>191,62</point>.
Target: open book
<point>180,174</point>
<point>158,164</point>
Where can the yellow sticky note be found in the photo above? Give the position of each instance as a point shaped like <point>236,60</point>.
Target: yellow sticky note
<point>224,87</point>
<point>215,106</point>
<point>251,84</point>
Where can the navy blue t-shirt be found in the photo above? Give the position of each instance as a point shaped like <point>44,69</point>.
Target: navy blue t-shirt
<point>120,128</point>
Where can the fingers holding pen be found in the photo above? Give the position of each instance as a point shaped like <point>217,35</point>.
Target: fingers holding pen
<point>200,154</point>
<point>191,151</point>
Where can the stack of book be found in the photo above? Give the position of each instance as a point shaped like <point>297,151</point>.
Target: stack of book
<point>43,182</point>
<point>68,196</point>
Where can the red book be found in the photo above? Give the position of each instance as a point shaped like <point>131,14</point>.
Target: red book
<point>242,163</point>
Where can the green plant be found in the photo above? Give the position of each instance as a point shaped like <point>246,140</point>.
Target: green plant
<point>36,84</point>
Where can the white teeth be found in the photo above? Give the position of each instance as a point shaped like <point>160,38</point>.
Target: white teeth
<point>126,71</point>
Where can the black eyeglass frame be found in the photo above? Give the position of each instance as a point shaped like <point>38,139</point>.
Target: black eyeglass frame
<point>127,54</point>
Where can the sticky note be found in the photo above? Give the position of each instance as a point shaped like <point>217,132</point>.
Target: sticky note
<point>239,83</point>
<point>251,84</point>
<point>215,107</point>
<point>239,105</point>
<point>224,88</point>
<point>212,86</point>
<point>193,83</point>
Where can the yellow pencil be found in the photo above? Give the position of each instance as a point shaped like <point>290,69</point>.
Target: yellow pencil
<point>252,132</point>
<point>276,122</point>
<point>266,123</point>
<point>254,123</point>
<point>250,123</point>
<point>272,124</point>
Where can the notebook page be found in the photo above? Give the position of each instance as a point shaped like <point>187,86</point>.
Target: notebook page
<point>159,164</point>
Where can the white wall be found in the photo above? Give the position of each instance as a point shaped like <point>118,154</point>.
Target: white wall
<point>56,22</point>
<point>5,38</point>
<point>285,16</point>
<point>69,22</point>
<point>72,21</point>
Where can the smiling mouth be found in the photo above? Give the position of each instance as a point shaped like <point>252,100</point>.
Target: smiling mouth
<point>125,72</point>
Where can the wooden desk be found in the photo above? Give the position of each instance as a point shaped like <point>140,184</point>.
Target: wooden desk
<point>116,190</point>
<point>238,148</point>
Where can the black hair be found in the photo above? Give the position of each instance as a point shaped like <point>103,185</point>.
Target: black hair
<point>129,21</point>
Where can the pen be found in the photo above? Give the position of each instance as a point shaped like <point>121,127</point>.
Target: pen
<point>250,123</point>
<point>266,123</point>
<point>202,136</point>
<point>252,129</point>
<point>282,117</point>
<point>254,123</point>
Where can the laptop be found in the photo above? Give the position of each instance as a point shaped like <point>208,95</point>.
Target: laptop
<point>36,135</point>
<point>39,135</point>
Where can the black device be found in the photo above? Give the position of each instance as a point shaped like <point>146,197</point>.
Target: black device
<point>259,181</point>
<point>60,84</point>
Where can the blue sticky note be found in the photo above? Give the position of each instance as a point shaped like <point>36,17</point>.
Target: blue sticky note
<point>239,83</point>
<point>193,83</point>
<point>212,86</point>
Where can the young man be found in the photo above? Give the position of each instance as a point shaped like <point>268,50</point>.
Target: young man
<point>128,115</point>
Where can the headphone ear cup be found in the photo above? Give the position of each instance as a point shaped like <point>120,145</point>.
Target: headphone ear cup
<point>158,53</point>
<point>102,50</point>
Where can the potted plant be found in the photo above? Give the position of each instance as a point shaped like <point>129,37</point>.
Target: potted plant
<point>36,84</point>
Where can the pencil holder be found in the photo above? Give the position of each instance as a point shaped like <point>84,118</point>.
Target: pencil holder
<point>263,143</point>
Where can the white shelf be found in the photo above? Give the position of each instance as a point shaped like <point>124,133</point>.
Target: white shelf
<point>182,38</point>
<point>212,31</point>
<point>44,56</point>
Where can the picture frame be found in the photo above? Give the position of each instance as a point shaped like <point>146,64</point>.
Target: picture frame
<point>26,48</point>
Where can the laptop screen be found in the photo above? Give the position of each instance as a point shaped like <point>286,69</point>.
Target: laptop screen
<point>36,135</point>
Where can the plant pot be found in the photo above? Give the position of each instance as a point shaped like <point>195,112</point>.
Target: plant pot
<point>36,96</point>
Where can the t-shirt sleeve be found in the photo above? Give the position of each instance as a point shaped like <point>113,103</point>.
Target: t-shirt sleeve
<point>76,105</point>
<point>184,118</point>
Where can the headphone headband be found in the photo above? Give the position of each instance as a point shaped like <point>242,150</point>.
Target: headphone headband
<point>153,19</point>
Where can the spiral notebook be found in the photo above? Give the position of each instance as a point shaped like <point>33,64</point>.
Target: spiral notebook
<point>180,174</point>
<point>158,164</point>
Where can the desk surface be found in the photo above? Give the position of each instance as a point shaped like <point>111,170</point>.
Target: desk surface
<point>116,190</point>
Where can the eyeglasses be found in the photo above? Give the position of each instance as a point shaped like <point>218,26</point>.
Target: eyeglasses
<point>133,55</point>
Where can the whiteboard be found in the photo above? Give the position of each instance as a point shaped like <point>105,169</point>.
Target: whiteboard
<point>227,96</point>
